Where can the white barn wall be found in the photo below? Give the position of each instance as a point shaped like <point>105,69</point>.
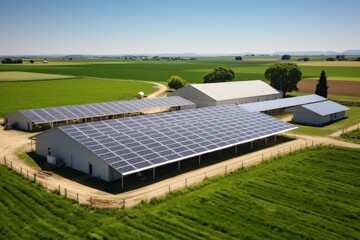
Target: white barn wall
<point>73,154</point>
<point>22,121</point>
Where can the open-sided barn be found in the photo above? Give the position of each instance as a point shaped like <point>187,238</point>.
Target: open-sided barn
<point>45,118</point>
<point>116,148</point>
<point>239,92</point>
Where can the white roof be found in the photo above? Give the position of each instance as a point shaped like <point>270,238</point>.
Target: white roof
<point>282,103</point>
<point>323,108</point>
<point>234,90</point>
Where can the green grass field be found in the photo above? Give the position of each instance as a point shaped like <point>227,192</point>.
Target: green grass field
<point>37,94</point>
<point>353,136</point>
<point>193,71</point>
<point>312,194</point>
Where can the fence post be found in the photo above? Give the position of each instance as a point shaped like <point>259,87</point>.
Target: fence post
<point>65,192</point>
<point>21,170</point>
<point>11,165</point>
<point>27,174</point>
<point>262,157</point>
<point>169,188</point>
<point>225,169</point>
<point>77,197</point>
<point>5,160</point>
<point>124,203</point>
<point>312,143</point>
<point>185,182</point>
<point>59,189</point>
<point>91,202</point>
<point>35,177</point>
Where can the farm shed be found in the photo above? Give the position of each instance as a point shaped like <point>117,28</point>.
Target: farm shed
<point>277,106</point>
<point>214,94</point>
<point>319,113</point>
<point>116,148</point>
<point>45,118</point>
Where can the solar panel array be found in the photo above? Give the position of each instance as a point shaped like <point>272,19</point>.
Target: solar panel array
<point>54,114</point>
<point>282,103</point>
<point>135,144</point>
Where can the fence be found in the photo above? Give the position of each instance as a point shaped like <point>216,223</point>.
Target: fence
<point>152,191</point>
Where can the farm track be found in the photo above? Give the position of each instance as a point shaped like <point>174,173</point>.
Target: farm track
<point>12,142</point>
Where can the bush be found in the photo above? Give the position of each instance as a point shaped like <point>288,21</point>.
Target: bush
<point>176,82</point>
<point>285,57</point>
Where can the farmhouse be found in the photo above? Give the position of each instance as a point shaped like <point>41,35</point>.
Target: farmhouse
<point>319,113</point>
<point>214,94</point>
<point>116,148</point>
<point>45,118</point>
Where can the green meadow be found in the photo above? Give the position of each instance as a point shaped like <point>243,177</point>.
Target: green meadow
<point>37,94</point>
<point>192,71</point>
<point>312,194</point>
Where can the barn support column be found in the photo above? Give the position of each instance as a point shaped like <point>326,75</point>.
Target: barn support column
<point>153,173</point>
<point>251,144</point>
<point>274,138</point>
<point>199,159</point>
<point>179,165</point>
<point>236,149</point>
<point>122,181</point>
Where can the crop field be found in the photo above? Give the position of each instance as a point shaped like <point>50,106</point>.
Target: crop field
<point>26,76</point>
<point>192,71</point>
<point>312,194</point>
<point>38,94</point>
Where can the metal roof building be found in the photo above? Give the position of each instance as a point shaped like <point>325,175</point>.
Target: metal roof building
<point>45,118</point>
<point>116,148</point>
<point>319,113</point>
<point>283,103</point>
<point>214,94</point>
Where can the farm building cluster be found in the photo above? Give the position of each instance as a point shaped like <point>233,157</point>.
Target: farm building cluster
<point>116,139</point>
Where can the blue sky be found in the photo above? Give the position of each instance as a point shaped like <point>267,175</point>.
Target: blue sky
<point>177,26</point>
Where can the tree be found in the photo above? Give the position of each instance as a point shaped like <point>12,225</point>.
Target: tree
<point>330,59</point>
<point>176,82</point>
<point>6,61</point>
<point>219,74</point>
<point>238,58</point>
<point>322,87</point>
<point>357,59</point>
<point>32,61</point>
<point>285,57</point>
<point>284,76</point>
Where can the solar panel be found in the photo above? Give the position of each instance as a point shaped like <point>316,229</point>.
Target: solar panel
<point>55,114</point>
<point>197,131</point>
<point>282,103</point>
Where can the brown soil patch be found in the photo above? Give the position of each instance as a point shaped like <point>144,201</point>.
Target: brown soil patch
<point>348,88</point>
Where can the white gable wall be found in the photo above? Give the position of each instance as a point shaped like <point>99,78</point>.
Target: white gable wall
<point>73,154</point>
<point>22,122</point>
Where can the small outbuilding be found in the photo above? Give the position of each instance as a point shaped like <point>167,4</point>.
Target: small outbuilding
<point>318,114</point>
<point>239,92</point>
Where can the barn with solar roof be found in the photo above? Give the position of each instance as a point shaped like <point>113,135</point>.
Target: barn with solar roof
<point>114,149</point>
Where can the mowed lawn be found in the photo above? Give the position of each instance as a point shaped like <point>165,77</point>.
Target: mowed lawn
<point>37,94</point>
<point>313,194</point>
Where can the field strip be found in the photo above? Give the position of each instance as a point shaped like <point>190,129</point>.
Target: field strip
<point>354,79</point>
<point>330,63</point>
<point>30,76</point>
